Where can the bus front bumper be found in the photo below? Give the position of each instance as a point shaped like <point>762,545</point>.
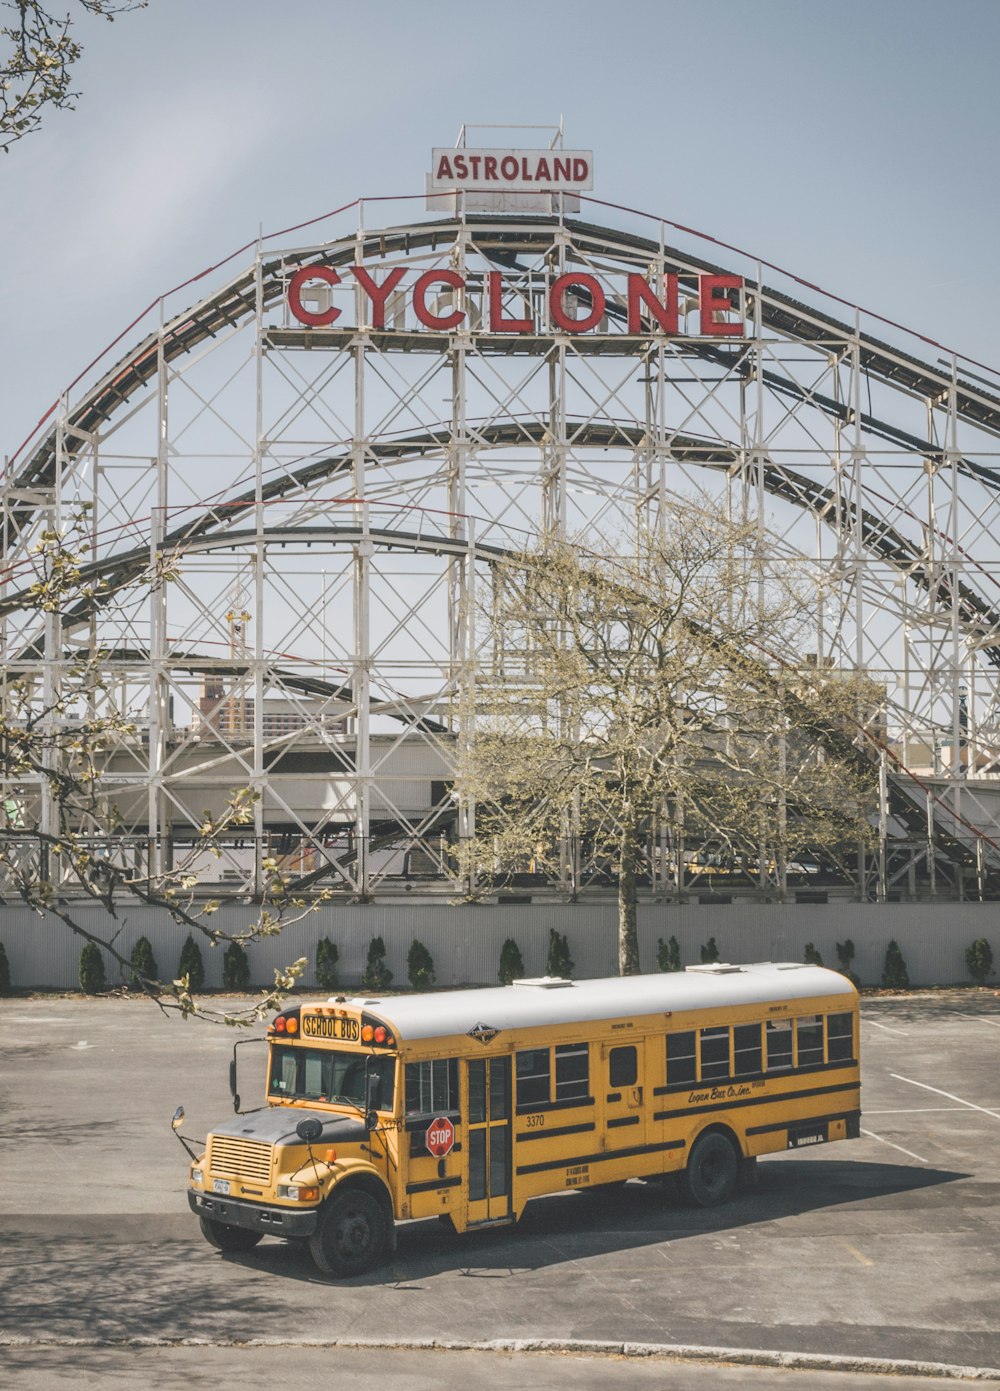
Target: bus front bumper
<point>256,1217</point>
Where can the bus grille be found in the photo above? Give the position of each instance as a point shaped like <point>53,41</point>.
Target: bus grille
<point>239,1158</point>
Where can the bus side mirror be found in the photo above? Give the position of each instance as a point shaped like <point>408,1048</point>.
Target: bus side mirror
<point>233,1077</point>
<point>309,1130</point>
<point>373,1087</point>
<point>176,1121</point>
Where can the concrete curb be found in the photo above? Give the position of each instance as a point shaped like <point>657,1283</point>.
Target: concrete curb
<point>667,1352</point>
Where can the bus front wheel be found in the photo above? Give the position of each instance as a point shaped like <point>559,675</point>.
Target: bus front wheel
<point>351,1235</point>
<point>710,1176</point>
<point>225,1238</point>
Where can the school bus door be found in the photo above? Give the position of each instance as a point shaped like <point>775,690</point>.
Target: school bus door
<point>622,1081</point>
<point>488,1139</point>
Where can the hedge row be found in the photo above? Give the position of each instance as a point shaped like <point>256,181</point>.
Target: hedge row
<point>420,964</point>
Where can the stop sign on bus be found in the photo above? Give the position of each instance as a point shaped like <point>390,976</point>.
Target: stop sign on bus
<point>440,1136</point>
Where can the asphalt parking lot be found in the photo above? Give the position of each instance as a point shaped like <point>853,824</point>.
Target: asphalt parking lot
<point>885,1248</point>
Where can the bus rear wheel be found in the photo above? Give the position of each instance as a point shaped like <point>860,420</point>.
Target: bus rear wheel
<point>351,1235</point>
<point>710,1176</point>
<point>225,1238</point>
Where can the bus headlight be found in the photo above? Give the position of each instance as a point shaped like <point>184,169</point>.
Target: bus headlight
<point>298,1192</point>
<point>197,1176</point>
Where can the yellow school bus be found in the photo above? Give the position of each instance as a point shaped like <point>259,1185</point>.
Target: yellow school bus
<point>466,1104</point>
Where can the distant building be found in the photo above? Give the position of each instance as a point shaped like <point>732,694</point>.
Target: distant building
<point>222,711</point>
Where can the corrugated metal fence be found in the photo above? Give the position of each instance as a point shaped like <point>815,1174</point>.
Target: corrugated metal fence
<point>465,941</point>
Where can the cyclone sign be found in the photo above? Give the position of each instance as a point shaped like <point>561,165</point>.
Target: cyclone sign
<point>648,308</point>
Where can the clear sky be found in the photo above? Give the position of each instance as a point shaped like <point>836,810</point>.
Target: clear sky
<point>853,142</point>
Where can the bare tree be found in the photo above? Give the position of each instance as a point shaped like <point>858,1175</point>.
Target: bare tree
<point>55,740</point>
<point>40,51</point>
<point>652,698</point>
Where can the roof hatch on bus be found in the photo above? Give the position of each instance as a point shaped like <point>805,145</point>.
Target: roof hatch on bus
<point>544,982</point>
<point>715,968</point>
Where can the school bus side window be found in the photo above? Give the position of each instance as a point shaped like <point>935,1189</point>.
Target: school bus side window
<point>809,1040</point>
<point>681,1066</point>
<point>779,1045</point>
<point>532,1077</point>
<point>572,1072</point>
<point>746,1050</point>
<point>839,1038</point>
<point>623,1067</point>
<point>714,1054</point>
<point>432,1087</point>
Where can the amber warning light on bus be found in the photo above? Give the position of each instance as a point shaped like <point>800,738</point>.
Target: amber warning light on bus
<point>377,1033</point>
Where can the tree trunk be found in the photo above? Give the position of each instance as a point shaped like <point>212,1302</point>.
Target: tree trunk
<point>628,930</point>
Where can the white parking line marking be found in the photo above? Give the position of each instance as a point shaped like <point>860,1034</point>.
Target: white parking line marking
<point>872,1136</point>
<point>971,1104</point>
<point>45,1019</point>
<point>911,1110</point>
<point>872,1022</point>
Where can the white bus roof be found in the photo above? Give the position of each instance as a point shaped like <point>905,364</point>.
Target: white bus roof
<point>532,1004</point>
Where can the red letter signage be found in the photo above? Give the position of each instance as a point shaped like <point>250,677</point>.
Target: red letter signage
<point>712,300</point>
<point>441,323</point>
<point>641,293</point>
<point>378,294</point>
<point>498,324</point>
<point>592,286</point>
<point>304,315</point>
<point>577,301</point>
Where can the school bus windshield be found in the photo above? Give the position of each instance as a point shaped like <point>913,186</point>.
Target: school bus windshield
<point>329,1074</point>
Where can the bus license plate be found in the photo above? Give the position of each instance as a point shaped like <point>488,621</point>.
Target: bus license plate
<point>220,1185</point>
<point>798,1138</point>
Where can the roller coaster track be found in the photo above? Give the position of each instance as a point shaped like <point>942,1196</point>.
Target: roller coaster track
<point>236,302</point>
<point>214,529</point>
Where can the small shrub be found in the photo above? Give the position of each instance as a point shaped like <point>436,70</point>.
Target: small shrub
<point>376,974</point>
<point>845,955</point>
<point>894,975</point>
<point>191,964</point>
<point>978,960</point>
<point>327,957</point>
<point>511,963</point>
<point>5,987</point>
<point>811,956</point>
<point>92,978</point>
<point>143,962</point>
<point>235,968</point>
<point>710,952</point>
<point>420,966</point>
<point>668,954</point>
<point>558,962</point>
